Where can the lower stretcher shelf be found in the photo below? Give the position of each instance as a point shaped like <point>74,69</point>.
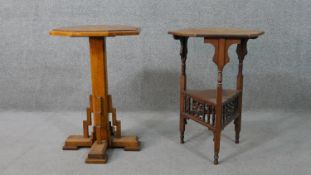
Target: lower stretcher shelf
<point>200,106</point>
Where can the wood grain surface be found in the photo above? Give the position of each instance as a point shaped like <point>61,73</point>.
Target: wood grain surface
<point>217,32</point>
<point>95,31</point>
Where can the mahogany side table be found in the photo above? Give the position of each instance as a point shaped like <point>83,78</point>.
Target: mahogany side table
<point>106,134</point>
<point>214,108</point>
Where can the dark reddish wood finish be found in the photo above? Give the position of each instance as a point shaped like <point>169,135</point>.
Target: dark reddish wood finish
<point>214,108</point>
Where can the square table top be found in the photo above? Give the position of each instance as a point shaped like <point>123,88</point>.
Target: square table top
<point>95,31</point>
<point>217,33</point>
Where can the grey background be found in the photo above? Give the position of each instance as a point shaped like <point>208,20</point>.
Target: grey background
<point>40,72</point>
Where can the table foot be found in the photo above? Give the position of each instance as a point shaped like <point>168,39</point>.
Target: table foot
<point>97,154</point>
<point>74,142</point>
<point>128,143</point>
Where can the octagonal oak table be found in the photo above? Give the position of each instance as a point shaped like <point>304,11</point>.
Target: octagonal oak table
<point>106,134</point>
<point>214,108</point>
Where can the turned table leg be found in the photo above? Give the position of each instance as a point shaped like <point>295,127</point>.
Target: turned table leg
<point>221,58</point>
<point>182,86</point>
<point>241,52</point>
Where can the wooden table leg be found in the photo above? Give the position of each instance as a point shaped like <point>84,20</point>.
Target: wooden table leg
<point>105,134</point>
<point>241,52</point>
<point>221,58</point>
<point>102,105</point>
<point>182,86</point>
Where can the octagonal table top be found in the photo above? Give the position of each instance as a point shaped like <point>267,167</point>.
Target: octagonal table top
<point>217,33</point>
<point>95,31</point>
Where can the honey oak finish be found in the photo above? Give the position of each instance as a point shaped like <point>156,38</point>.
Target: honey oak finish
<point>95,31</point>
<point>105,133</point>
<point>214,108</point>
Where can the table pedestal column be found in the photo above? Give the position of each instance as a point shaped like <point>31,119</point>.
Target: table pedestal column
<point>106,134</point>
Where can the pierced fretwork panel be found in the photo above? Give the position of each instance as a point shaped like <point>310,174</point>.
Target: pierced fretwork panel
<point>230,110</point>
<point>206,112</point>
<point>202,111</point>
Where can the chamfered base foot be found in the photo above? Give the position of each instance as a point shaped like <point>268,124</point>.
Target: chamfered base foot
<point>97,154</point>
<point>74,142</point>
<point>129,143</point>
<point>96,161</point>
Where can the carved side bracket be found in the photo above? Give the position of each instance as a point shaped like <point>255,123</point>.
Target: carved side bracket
<point>183,52</point>
<point>221,57</point>
<point>241,50</point>
<point>215,43</point>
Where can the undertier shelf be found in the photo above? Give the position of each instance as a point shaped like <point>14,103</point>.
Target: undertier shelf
<point>200,105</point>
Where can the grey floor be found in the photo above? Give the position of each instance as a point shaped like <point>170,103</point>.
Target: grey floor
<point>273,142</point>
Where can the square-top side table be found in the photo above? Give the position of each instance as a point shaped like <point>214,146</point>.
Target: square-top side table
<point>105,134</point>
<point>214,108</point>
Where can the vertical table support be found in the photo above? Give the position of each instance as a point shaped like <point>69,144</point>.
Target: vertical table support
<point>220,58</point>
<point>241,52</point>
<point>99,100</point>
<point>182,85</point>
<point>105,134</point>
<point>99,79</point>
